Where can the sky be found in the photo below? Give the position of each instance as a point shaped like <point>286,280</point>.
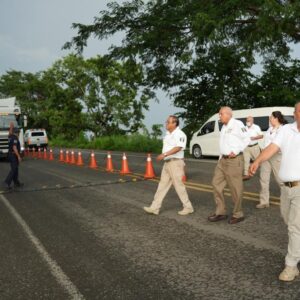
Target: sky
<point>32,33</point>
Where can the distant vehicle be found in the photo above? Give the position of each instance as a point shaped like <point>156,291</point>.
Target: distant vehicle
<point>36,138</point>
<point>205,141</point>
<point>10,112</point>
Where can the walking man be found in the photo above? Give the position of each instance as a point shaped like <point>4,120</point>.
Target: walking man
<point>173,170</point>
<point>252,150</point>
<point>229,169</point>
<point>14,158</point>
<point>288,142</point>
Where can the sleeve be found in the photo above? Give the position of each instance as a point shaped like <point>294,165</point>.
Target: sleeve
<point>279,138</point>
<point>244,134</point>
<point>258,130</point>
<point>15,141</point>
<point>180,140</point>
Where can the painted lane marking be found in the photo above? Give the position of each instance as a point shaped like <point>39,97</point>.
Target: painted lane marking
<point>54,268</point>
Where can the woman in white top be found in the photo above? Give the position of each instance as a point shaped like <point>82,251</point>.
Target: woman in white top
<point>273,164</point>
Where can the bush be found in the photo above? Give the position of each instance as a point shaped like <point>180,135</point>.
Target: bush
<point>134,143</point>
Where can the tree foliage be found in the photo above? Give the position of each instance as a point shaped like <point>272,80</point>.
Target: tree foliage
<point>202,51</point>
<point>76,94</point>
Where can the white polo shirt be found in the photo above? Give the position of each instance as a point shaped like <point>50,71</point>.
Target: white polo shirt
<point>288,140</point>
<point>270,135</point>
<point>177,138</point>
<point>253,131</point>
<point>233,137</point>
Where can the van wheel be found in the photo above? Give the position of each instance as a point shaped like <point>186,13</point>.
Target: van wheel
<point>197,152</point>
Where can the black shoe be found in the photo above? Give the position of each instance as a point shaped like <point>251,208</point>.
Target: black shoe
<point>216,218</point>
<point>19,185</point>
<point>234,220</point>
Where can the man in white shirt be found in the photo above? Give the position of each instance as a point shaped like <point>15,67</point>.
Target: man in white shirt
<point>173,170</point>
<point>252,150</point>
<point>229,170</point>
<point>288,142</point>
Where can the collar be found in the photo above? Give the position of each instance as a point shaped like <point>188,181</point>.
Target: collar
<point>294,127</point>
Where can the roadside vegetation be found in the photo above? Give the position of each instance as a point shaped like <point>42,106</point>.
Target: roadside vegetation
<point>134,143</point>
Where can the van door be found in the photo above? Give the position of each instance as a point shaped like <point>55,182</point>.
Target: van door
<point>208,138</point>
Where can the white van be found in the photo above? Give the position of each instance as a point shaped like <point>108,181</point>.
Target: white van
<point>36,138</point>
<point>205,141</point>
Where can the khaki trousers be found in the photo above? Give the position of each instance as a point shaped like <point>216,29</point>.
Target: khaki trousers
<point>172,173</point>
<point>271,165</point>
<point>229,171</point>
<point>290,210</point>
<point>250,153</point>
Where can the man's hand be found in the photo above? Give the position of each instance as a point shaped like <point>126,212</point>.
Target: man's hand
<point>253,168</point>
<point>19,158</point>
<point>160,157</point>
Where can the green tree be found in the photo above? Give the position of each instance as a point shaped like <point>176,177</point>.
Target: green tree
<point>156,131</point>
<point>204,50</point>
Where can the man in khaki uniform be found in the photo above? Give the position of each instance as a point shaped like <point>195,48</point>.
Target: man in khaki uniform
<point>229,170</point>
<point>252,150</point>
<point>173,170</point>
<point>288,142</point>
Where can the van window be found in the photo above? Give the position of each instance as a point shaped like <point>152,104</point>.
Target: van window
<point>37,133</point>
<point>262,122</point>
<point>290,119</point>
<point>207,128</point>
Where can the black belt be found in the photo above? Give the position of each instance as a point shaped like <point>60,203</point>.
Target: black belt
<point>173,159</point>
<point>292,183</point>
<point>230,157</point>
<point>253,145</point>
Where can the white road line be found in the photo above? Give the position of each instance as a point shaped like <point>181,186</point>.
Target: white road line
<point>55,269</point>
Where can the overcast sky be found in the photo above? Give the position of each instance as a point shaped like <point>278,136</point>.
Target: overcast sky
<point>32,33</point>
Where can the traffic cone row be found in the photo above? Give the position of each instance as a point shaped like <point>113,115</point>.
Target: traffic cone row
<point>70,158</point>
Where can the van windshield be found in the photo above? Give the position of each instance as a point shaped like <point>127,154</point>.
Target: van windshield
<point>290,119</point>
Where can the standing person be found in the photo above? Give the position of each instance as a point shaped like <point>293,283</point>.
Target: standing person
<point>14,158</point>
<point>273,164</point>
<point>229,169</point>
<point>173,170</point>
<point>252,150</point>
<point>288,142</point>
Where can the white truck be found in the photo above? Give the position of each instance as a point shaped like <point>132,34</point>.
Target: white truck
<point>10,111</point>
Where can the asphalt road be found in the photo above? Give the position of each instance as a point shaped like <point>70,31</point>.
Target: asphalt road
<point>78,233</point>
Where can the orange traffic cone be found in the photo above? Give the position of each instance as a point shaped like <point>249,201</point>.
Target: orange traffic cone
<point>33,152</point>
<point>79,159</point>
<point>40,153</point>
<point>109,165</point>
<point>125,169</point>
<point>45,154</point>
<point>67,159</point>
<point>72,161</point>
<point>149,168</point>
<point>184,176</point>
<point>51,155</point>
<point>93,163</point>
<point>61,155</point>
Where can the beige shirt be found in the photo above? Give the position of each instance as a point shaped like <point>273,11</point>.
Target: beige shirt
<point>177,138</point>
<point>288,140</point>
<point>253,131</point>
<point>233,137</point>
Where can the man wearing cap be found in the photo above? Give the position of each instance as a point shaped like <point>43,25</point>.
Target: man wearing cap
<point>173,170</point>
<point>252,150</point>
<point>229,169</point>
<point>288,142</point>
<point>14,158</point>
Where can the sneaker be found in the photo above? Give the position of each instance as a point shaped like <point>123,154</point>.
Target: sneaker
<point>186,211</point>
<point>150,210</point>
<point>262,205</point>
<point>289,273</point>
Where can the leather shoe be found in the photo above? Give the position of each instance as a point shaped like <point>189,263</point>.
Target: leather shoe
<point>234,220</point>
<point>216,218</point>
<point>246,177</point>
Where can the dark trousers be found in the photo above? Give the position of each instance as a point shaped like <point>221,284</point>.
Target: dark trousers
<point>13,175</point>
